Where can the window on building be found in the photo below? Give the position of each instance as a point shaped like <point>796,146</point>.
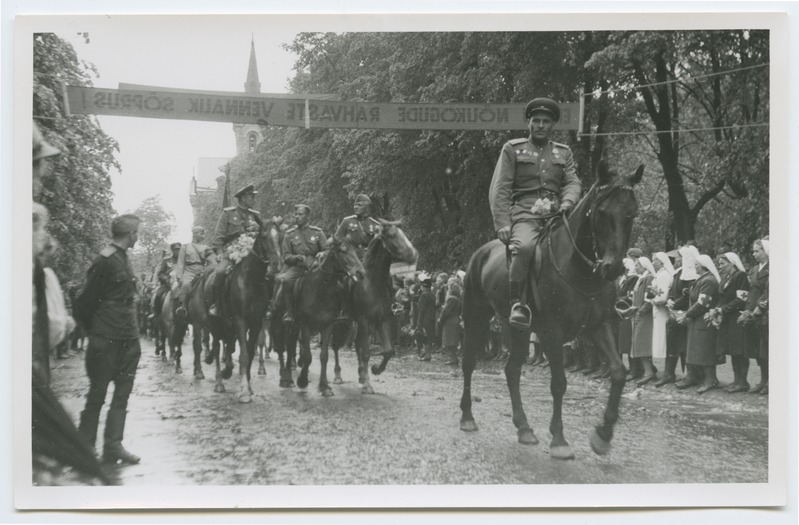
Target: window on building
<point>252,141</point>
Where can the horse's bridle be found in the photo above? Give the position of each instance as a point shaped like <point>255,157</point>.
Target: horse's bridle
<point>345,273</point>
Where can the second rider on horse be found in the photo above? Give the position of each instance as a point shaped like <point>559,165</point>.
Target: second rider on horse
<point>534,178</point>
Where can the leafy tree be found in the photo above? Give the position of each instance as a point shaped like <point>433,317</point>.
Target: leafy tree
<point>154,231</point>
<point>78,192</point>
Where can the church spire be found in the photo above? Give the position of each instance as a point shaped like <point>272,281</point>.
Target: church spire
<point>252,85</point>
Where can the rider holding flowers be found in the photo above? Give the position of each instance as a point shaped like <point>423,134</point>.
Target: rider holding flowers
<point>533,179</point>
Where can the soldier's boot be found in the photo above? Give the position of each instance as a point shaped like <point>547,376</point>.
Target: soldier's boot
<point>710,381</point>
<point>288,300</point>
<point>520,314</point>
<point>691,378</point>
<point>180,311</point>
<point>113,451</point>
<point>669,372</point>
<point>88,426</point>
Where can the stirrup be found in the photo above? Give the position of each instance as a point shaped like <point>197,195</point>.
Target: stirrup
<point>520,316</point>
<point>181,311</point>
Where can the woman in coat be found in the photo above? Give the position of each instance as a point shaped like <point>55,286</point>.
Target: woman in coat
<point>624,301</point>
<point>733,289</point>
<point>676,333</point>
<point>754,315</point>
<point>701,349</point>
<point>660,312</point>
<point>426,319</point>
<point>642,324</point>
<point>450,323</point>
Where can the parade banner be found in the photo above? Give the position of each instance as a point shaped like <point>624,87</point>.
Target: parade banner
<point>269,111</point>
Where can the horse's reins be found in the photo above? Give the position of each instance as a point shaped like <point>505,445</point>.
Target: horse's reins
<point>322,266</point>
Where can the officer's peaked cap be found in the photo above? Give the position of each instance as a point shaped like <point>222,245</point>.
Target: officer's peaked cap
<point>175,245</point>
<point>299,206</point>
<point>124,224</point>
<point>546,105</point>
<point>249,188</point>
<point>363,197</point>
<point>41,148</point>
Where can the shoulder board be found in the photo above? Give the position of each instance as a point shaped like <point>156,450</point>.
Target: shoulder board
<point>517,141</point>
<point>374,220</point>
<point>315,228</point>
<point>348,217</point>
<point>293,228</point>
<point>108,251</point>
<point>558,144</point>
<point>254,211</point>
<point>231,208</point>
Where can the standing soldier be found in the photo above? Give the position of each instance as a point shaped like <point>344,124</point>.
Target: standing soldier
<point>300,245</point>
<point>108,310</point>
<point>234,221</point>
<point>192,260</point>
<point>360,228</point>
<point>533,178</point>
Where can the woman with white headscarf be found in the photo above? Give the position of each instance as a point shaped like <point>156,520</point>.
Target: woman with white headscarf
<point>677,334</point>
<point>642,324</point>
<point>755,313</point>
<point>624,300</point>
<point>733,289</point>
<point>701,350</point>
<point>660,312</point>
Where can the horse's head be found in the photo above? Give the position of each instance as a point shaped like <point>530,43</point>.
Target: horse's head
<point>611,213</point>
<point>267,246</point>
<point>396,243</point>
<point>347,258</point>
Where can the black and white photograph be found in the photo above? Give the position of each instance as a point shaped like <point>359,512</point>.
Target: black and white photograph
<point>474,261</point>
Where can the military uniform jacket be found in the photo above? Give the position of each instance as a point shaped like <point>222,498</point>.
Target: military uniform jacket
<point>233,222</point>
<point>526,172</point>
<point>191,258</point>
<point>107,304</point>
<point>359,230</point>
<point>301,244</point>
<point>165,270</point>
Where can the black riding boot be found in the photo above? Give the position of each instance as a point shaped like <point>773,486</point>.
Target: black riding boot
<point>520,314</point>
<point>113,450</point>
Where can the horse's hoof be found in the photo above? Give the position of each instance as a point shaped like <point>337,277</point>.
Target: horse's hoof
<point>599,445</point>
<point>261,371</point>
<point>367,390</point>
<point>302,382</point>
<point>245,398</point>
<point>178,369</point>
<point>227,373</point>
<point>198,374</point>
<point>209,359</point>
<point>468,425</point>
<point>327,392</point>
<point>376,370</point>
<point>527,437</point>
<point>562,452</point>
<point>219,389</point>
<point>338,381</point>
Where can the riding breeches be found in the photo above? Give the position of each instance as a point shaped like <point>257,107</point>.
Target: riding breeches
<point>283,283</point>
<point>186,279</point>
<point>523,238</point>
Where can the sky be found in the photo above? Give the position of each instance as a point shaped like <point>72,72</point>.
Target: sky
<point>157,156</point>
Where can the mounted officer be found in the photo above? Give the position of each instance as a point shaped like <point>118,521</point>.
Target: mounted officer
<point>360,228</point>
<point>192,259</point>
<point>300,245</point>
<point>534,178</point>
<point>166,273</point>
<point>234,221</point>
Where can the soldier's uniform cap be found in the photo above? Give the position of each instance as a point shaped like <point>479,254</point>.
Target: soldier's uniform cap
<point>124,224</point>
<point>298,206</point>
<point>364,198</point>
<point>635,253</point>
<point>41,149</point>
<point>249,188</point>
<point>547,105</point>
<point>175,245</point>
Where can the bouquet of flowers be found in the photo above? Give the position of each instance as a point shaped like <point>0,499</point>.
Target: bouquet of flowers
<point>713,318</point>
<point>544,206</point>
<point>241,248</point>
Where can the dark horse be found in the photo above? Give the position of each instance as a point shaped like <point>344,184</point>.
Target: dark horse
<point>374,295</point>
<point>246,292</point>
<point>318,299</point>
<point>580,258</point>
<point>172,329</point>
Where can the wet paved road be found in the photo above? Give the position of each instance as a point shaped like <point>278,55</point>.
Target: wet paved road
<point>407,433</point>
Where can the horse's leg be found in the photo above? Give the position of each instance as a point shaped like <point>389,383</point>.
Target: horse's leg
<point>552,343</point>
<point>228,349</point>
<point>197,346</point>
<point>178,350</point>
<point>519,348</point>
<point>388,348</point>
<point>336,343</point>
<point>278,336</point>
<point>364,350</point>
<point>324,339</point>
<point>261,351</point>
<point>219,387</point>
<point>304,362</point>
<point>475,320</point>
<point>245,392</point>
<point>602,434</point>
